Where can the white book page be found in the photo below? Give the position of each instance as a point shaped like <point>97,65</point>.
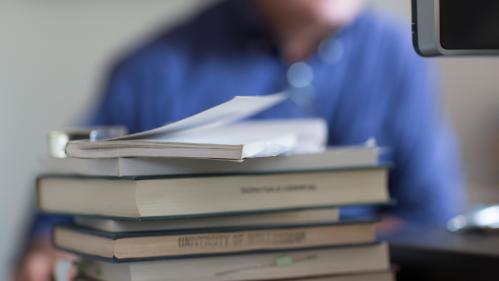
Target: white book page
<point>308,132</point>
<point>235,109</point>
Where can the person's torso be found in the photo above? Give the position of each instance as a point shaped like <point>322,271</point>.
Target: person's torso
<point>204,63</point>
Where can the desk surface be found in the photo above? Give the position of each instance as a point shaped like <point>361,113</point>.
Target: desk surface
<point>435,254</point>
<point>440,240</point>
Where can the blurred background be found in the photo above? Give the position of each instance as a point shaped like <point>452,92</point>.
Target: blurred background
<point>54,53</point>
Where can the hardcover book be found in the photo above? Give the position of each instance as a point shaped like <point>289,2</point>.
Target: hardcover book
<point>374,276</point>
<point>300,264</point>
<point>168,197</point>
<point>315,216</point>
<point>331,158</point>
<point>122,247</point>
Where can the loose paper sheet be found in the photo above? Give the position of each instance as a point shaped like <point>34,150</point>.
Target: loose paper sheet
<point>237,108</point>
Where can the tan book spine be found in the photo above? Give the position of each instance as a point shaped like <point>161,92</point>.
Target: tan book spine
<point>215,243</point>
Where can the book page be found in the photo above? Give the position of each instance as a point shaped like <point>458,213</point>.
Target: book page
<point>237,108</point>
<point>310,133</point>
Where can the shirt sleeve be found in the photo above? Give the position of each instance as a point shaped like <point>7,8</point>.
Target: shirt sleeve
<point>119,102</point>
<point>426,179</point>
<point>42,224</point>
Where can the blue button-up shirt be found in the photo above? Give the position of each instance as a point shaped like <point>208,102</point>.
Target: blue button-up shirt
<point>365,80</point>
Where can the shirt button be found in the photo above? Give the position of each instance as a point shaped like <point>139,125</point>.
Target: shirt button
<point>300,75</point>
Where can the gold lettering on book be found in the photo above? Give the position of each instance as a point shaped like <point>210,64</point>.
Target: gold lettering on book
<point>276,238</point>
<point>243,239</point>
<point>278,188</point>
<point>204,241</point>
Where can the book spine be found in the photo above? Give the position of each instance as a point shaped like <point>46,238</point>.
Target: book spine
<point>244,241</point>
<point>194,196</point>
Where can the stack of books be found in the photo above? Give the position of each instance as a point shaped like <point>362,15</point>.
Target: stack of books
<point>207,215</point>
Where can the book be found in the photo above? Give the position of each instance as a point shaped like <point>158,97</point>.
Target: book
<point>266,266</point>
<point>167,197</point>
<point>213,134</point>
<point>168,244</point>
<point>373,276</point>
<point>369,276</point>
<point>338,157</point>
<point>236,142</point>
<point>259,219</point>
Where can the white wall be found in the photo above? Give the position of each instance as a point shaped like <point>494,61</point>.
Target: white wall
<point>53,53</point>
<point>52,56</point>
<point>470,89</point>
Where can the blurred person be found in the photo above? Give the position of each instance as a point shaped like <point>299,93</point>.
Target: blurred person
<point>337,59</point>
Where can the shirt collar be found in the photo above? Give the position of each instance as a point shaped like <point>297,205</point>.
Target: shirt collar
<point>253,34</point>
<point>249,27</point>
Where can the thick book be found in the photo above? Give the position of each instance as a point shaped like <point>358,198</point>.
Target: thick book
<point>149,198</point>
<point>131,246</point>
<point>212,134</point>
<point>259,219</point>
<point>267,266</point>
<point>332,158</point>
<point>366,276</point>
<point>373,276</point>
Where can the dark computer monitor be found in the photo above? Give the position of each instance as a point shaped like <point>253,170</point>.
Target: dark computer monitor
<point>456,27</point>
